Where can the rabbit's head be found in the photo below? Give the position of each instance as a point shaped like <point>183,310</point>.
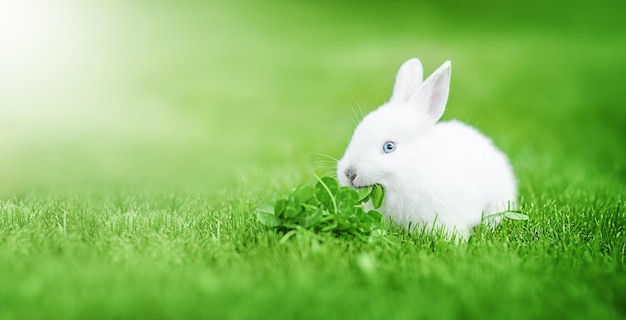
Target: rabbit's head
<point>387,142</point>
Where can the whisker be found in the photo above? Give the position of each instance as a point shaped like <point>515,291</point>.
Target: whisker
<point>326,172</point>
<point>324,164</point>
<point>354,122</point>
<point>361,113</point>
<point>356,118</point>
<point>325,167</point>
<point>324,161</point>
<point>322,169</point>
<point>324,155</point>
<point>357,111</point>
<point>328,162</point>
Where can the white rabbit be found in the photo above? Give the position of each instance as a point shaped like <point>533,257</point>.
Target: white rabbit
<point>444,175</point>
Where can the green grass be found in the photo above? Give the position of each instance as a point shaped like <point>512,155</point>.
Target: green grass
<point>133,155</point>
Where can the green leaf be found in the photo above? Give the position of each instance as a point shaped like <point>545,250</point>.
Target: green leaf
<point>375,215</point>
<point>292,210</point>
<point>347,194</point>
<point>265,215</point>
<point>310,218</point>
<point>325,207</point>
<point>358,211</point>
<point>364,194</point>
<point>280,206</point>
<point>377,195</point>
<point>515,215</point>
<point>303,194</point>
<point>378,233</point>
<point>325,189</point>
<point>313,201</point>
<point>347,198</point>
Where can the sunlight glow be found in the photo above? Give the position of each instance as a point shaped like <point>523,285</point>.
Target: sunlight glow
<point>27,27</point>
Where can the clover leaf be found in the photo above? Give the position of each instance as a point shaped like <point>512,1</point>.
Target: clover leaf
<point>326,207</point>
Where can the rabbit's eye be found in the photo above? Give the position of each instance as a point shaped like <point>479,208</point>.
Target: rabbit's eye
<point>389,146</point>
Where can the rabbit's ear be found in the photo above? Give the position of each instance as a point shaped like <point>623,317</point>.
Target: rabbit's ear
<point>408,80</point>
<point>433,95</point>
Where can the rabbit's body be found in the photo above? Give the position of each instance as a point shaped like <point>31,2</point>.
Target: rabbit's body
<point>445,174</point>
<point>451,183</point>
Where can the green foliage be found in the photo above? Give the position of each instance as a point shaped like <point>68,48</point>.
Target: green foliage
<point>510,214</point>
<point>326,207</point>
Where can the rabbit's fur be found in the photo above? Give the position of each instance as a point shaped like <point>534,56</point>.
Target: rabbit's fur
<point>441,175</point>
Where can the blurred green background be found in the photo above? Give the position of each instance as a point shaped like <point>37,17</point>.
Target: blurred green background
<point>217,94</point>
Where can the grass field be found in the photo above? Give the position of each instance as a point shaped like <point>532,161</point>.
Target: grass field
<point>137,138</point>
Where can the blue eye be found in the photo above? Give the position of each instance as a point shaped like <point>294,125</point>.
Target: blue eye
<point>389,146</point>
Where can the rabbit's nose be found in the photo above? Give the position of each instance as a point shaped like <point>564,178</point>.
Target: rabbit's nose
<point>350,174</point>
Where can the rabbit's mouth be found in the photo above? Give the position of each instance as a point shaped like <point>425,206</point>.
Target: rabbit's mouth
<point>369,186</point>
<point>357,185</point>
<point>355,178</point>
